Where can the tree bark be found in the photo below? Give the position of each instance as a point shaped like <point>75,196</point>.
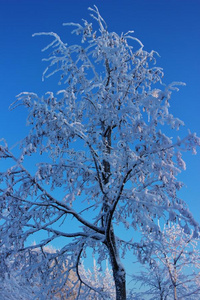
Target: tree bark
<point>119,276</point>
<point>175,293</point>
<point>119,273</point>
<point>175,278</point>
<point>120,283</point>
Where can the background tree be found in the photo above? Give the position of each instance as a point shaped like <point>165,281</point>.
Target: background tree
<point>174,268</point>
<point>102,144</point>
<point>102,280</point>
<point>154,281</point>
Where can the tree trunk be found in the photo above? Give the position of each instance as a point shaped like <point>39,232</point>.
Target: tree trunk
<point>119,273</point>
<point>175,278</point>
<point>175,293</point>
<point>120,283</point>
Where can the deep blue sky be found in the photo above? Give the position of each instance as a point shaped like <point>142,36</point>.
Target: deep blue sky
<point>170,27</point>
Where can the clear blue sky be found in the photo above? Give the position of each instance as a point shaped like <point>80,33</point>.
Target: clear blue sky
<point>171,27</point>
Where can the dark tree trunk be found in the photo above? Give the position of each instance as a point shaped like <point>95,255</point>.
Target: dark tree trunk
<point>119,273</point>
<point>120,283</point>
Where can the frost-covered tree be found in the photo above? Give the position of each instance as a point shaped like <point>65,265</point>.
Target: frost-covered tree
<point>105,159</point>
<point>102,280</point>
<point>13,285</point>
<point>174,268</point>
<point>13,288</point>
<point>154,282</point>
<point>24,282</point>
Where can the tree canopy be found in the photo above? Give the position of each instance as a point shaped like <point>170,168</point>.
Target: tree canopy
<point>106,158</point>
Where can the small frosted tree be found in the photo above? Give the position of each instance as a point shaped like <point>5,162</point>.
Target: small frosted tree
<point>174,268</point>
<point>103,280</point>
<point>106,160</point>
<point>154,281</point>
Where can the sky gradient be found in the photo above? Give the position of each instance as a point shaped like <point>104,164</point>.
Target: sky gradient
<point>172,28</point>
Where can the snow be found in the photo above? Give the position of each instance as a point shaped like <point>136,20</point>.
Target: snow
<point>108,152</point>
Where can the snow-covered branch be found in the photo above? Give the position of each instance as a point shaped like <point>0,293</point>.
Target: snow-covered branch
<point>97,156</point>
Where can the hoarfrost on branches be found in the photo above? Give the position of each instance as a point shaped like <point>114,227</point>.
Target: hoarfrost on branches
<point>101,280</point>
<point>107,160</point>
<point>173,271</point>
<point>13,289</point>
